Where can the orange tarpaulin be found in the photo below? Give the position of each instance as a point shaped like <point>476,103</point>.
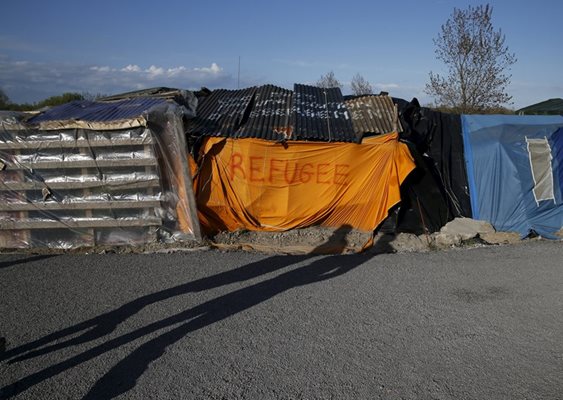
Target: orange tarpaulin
<point>261,185</point>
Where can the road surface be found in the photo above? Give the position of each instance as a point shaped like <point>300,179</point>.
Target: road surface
<point>482,323</point>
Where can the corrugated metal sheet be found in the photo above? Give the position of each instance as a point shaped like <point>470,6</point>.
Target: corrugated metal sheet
<point>162,92</point>
<point>274,113</point>
<point>372,115</point>
<point>321,114</point>
<point>183,97</point>
<point>222,113</point>
<point>258,112</point>
<point>270,117</point>
<point>90,111</point>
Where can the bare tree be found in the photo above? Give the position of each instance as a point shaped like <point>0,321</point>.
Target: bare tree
<point>360,86</point>
<point>477,60</point>
<point>329,81</point>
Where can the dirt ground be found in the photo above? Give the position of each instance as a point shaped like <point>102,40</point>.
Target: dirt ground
<point>319,240</point>
<point>298,241</point>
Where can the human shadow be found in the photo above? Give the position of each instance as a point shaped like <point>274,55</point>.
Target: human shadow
<point>123,376</point>
<point>106,323</point>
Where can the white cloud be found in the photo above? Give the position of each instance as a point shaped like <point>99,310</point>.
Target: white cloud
<point>214,69</point>
<point>154,71</point>
<point>176,70</point>
<point>31,81</point>
<point>131,68</point>
<point>101,69</point>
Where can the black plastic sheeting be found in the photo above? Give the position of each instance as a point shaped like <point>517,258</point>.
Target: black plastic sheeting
<point>437,191</point>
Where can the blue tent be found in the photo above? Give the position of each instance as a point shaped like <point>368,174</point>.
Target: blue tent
<point>515,171</point>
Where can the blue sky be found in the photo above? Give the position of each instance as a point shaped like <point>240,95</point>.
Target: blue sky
<point>107,47</point>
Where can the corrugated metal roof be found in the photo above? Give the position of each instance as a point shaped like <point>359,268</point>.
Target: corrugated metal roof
<point>270,117</point>
<point>222,113</point>
<point>321,114</point>
<point>183,97</point>
<point>274,113</point>
<point>372,115</point>
<point>90,111</point>
<point>162,92</point>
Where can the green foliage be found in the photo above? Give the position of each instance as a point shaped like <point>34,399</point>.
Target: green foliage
<point>58,100</point>
<point>19,107</point>
<point>93,97</point>
<point>6,104</point>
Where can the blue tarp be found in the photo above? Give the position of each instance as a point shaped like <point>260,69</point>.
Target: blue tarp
<point>557,139</point>
<point>500,172</point>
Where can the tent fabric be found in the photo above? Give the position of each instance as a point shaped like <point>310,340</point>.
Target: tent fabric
<point>505,174</point>
<point>255,184</point>
<point>557,152</point>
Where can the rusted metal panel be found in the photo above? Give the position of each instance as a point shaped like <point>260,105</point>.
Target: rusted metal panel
<point>373,115</point>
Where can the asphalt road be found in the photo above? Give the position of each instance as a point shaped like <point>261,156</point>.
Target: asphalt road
<point>483,323</point>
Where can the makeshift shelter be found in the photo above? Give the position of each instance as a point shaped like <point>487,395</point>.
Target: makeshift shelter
<point>547,107</point>
<point>273,159</point>
<point>93,173</point>
<point>514,168</point>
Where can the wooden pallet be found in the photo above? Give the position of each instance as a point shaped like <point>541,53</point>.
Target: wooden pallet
<point>37,210</point>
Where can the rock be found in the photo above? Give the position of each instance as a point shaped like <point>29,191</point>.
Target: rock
<point>466,228</point>
<point>406,242</point>
<point>501,237</point>
<point>400,243</point>
<point>382,243</point>
<point>442,240</point>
